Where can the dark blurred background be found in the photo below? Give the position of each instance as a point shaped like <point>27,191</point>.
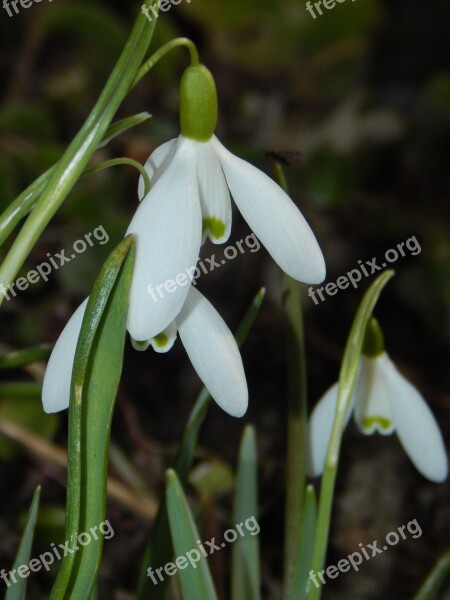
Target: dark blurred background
<point>357,104</point>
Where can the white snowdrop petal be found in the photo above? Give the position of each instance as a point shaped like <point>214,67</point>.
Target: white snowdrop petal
<point>156,164</point>
<point>274,218</point>
<point>164,341</point>
<point>167,226</point>
<point>213,352</point>
<point>140,346</point>
<point>58,375</point>
<point>372,407</point>
<point>214,195</point>
<point>320,427</point>
<point>416,426</point>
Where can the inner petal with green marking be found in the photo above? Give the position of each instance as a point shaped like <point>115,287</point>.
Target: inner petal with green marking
<point>380,423</point>
<point>214,226</point>
<point>161,340</point>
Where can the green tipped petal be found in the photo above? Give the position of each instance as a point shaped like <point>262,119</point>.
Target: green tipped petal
<point>161,340</point>
<point>370,423</point>
<point>374,340</point>
<point>216,227</point>
<point>198,104</point>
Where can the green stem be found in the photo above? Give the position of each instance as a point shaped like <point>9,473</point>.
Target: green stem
<point>24,203</point>
<point>347,380</point>
<point>121,161</point>
<point>296,429</point>
<point>161,52</point>
<point>296,419</point>
<point>22,358</point>
<point>432,584</point>
<point>20,390</point>
<point>69,168</point>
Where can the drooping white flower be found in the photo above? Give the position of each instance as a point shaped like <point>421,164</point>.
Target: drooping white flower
<point>192,177</point>
<point>209,344</point>
<point>383,401</point>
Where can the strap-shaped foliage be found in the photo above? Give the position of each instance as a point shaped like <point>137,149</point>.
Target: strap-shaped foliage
<point>95,380</point>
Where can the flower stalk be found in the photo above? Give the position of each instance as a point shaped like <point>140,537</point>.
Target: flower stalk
<point>347,379</point>
<point>69,168</point>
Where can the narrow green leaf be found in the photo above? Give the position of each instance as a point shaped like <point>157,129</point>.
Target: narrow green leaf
<point>119,127</point>
<point>20,389</point>
<point>159,549</point>
<point>95,380</point>
<point>296,429</point>
<point>245,571</point>
<point>69,168</point>
<point>195,577</point>
<point>301,583</point>
<point>347,380</point>
<point>432,585</point>
<point>22,358</point>
<point>24,203</point>
<point>17,591</point>
<point>297,416</point>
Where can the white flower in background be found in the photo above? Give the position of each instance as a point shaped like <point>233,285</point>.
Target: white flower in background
<point>192,177</point>
<point>209,344</point>
<point>383,401</point>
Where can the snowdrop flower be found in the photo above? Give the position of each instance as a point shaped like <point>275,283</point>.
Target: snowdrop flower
<point>209,344</point>
<point>383,401</point>
<point>192,177</point>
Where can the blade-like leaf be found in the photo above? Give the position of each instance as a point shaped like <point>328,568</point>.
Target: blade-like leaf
<point>24,203</point>
<point>20,389</point>
<point>159,549</point>
<point>95,380</point>
<point>347,380</point>
<point>17,591</point>
<point>68,169</point>
<point>301,582</point>
<point>119,127</point>
<point>22,358</point>
<point>245,572</point>
<point>195,577</point>
<point>433,584</point>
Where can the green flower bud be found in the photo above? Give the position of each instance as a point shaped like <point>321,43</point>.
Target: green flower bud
<point>373,340</point>
<point>198,104</point>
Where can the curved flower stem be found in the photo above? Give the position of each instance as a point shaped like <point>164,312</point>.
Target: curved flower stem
<point>296,419</point>
<point>161,52</point>
<point>69,168</point>
<point>347,379</point>
<point>113,162</point>
<point>25,201</point>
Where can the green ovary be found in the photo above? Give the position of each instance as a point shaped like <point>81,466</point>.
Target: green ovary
<point>215,226</point>
<point>384,423</point>
<point>161,340</point>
